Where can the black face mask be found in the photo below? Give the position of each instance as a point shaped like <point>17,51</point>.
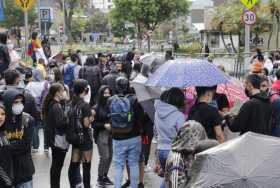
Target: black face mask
<point>86,90</point>
<point>106,97</point>
<point>247,93</point>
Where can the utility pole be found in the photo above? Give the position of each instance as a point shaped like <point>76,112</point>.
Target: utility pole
<point>39,16</point>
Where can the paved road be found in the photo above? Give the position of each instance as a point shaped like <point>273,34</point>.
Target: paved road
<point>42,164</point>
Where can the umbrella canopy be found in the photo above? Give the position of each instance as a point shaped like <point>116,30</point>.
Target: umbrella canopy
<point>153,60</point>
<point>234,91</point>
<point>249,161</point>
<point>184,73</point>
<point>145,95</point>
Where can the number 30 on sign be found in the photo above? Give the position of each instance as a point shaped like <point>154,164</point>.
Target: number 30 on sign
<point>249,17</point>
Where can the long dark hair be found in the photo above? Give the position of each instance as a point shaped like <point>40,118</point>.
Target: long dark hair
<point>100,99</point>
<point>56,87</point>
<point>58,77</point>
<point>2,128</point>
<point>101,104</point>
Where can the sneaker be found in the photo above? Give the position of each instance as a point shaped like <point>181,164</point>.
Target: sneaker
<point>100,182</point>
<point>107,181</point>
<point>154,141</point>
<point>35,150</point>
<point>140,185</point>
<point>148,168</point>
<point>127,184</point>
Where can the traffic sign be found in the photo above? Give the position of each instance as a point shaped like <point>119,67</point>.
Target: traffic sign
<point>249,3</point>
<point>249,17</point>
<point>25,5</point>
<point>45,14</point>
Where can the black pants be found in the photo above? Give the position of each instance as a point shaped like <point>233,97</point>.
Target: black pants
<point>58,157</point>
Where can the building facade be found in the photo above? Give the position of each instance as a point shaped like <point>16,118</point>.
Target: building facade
<point>102,5</point>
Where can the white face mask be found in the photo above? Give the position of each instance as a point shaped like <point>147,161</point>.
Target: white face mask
<point>64,96</point>
<point>10,46</point>
<point>17,108</point>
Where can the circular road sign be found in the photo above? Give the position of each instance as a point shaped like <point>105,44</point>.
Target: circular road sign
<point>249,17</point>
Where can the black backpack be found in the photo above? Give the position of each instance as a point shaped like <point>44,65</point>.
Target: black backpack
<point>74,132</point>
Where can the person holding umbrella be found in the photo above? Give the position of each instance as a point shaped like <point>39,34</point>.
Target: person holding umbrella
<point>207,114</point>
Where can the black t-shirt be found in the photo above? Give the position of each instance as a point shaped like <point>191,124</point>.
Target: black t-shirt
<point>207,115</point>
<point>221,100</point>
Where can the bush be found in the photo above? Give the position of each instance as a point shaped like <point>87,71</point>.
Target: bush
<point>191,48</point>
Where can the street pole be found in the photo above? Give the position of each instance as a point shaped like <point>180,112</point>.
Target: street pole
<point>39,16</point>
<point>247,47</point>
<point>26,34</point>
<point>64,26</point>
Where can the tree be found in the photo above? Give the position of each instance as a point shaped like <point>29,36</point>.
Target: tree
<point>227,20</point>
<point>14,16</point>
<point>148,14</point>
<point>98,22</point>
<point>71,6</point>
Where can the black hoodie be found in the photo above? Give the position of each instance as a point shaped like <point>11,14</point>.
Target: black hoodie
<point>254,116</point>
<point>6,163</point>
<point>20,135</point>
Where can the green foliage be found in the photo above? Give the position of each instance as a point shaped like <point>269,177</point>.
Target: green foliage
<point>98,22</point>
<point>191,48</point>
<point>228,18</point>
<point>148,13</point>
<point>14,15</point>
<point>78,26</point>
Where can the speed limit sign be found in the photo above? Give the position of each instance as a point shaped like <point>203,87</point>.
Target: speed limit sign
<point>249,17</point>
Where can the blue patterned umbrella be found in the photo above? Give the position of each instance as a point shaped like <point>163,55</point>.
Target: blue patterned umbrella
<point>184,73</point>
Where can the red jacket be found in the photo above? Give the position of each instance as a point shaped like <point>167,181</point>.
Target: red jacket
<point>276,86</point>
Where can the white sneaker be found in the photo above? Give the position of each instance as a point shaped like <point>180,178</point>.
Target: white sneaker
<point>148,168</point>
<point>35,150</point>
<point>154,141</point>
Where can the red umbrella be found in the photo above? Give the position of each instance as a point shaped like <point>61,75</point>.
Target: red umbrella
<point>234,91</point>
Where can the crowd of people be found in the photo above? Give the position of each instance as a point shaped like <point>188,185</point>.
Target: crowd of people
<point>80,103</point>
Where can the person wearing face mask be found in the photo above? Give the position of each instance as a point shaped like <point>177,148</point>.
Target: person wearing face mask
<point>103,135</point>
<point>80,135</point>
<point>265,84</point>
<point>207,115</point>
<point>6,162</point>
<point>56,123</point>
<point>19,131</point>
<point>12,80</point>
<point>255,115</point>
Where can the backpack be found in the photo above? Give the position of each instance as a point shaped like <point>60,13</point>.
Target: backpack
<point>68,74</point>
<point>122,117</point>
<point>74,133</point>
<point>275,103</point>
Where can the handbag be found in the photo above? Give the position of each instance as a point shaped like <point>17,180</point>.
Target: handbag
<point>61,142</point>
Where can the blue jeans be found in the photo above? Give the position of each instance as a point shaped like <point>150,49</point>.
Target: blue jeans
<point>28,184</point>
<point>35,138</point>
<point>162,156</point>
<point>126,150</point>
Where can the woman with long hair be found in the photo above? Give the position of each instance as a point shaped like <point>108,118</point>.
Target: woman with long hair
<point>56,123</point>
<point>103,136</point>
<point>81,135</point>
<point>6,163</point>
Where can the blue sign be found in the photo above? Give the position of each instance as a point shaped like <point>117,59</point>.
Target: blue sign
<point>2,15</point>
